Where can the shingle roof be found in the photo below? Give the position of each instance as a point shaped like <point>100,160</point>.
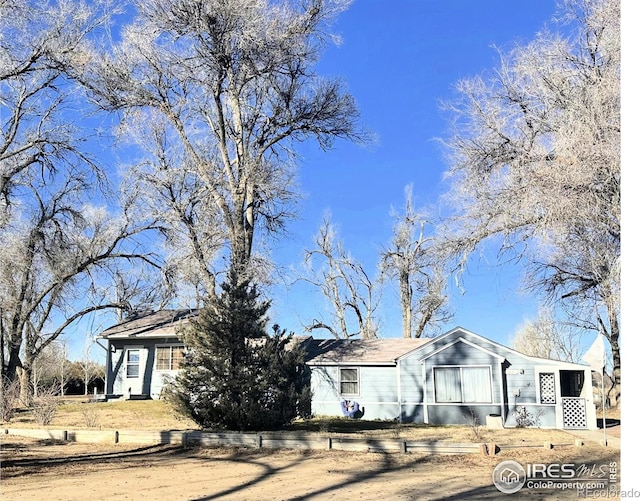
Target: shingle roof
<point>157,324</point>
<point>360,351</point>
<point>164,324</point>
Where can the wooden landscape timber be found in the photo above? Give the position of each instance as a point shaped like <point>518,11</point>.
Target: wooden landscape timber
<point>274,440</point>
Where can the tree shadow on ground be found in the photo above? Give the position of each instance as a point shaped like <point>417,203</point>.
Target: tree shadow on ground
<point>388,465</point>
<point>453,488</point>
<point>432,488</point>
<point>33,465</point>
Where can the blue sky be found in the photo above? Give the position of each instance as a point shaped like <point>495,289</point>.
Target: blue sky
<point>399,60</point>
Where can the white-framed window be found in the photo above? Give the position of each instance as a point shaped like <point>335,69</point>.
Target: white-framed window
<point>349,381</point>
<point>462,384</point>
<point>133,362</point>
<point>169,358</point>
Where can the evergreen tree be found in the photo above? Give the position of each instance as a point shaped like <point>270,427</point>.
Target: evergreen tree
<point>235,376</point>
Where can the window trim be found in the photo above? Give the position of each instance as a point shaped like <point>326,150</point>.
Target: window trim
<point>171,347</point>
<point>357,381</point>
<point>127,363</point>
<point>462,401</point>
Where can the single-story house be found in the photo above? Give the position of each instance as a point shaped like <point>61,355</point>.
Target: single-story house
<point>451,379</point>
<point>142,351</point>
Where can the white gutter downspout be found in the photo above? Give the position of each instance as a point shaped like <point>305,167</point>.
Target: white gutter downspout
<point>107,368</point>
<point>95,340</point>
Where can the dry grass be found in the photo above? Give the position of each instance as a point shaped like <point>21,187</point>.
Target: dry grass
<point>521,444</point>
<point>431,433</point>
<point>116,415</point>
<point>157,415</point>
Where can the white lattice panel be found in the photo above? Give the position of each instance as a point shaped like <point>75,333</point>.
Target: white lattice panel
<point>547,388</point>
<point>574,413</point>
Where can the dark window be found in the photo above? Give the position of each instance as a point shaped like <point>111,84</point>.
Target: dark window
<point>349,384</point>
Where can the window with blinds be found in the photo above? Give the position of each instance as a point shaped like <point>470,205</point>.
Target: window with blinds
<point>349,382</point>
<point>462,384</point>
<point>169,358</point>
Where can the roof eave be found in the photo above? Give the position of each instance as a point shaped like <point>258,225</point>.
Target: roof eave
<point>385,363</point>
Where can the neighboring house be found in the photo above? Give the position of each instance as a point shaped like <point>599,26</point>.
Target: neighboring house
<point>143,351</point>
<point>450,379</point>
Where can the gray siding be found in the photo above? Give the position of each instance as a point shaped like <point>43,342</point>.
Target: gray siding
<point>543,416</point>
<point>461,414</point>
<point>150,381</point>
<point>404,391</point>
<point>377,396</point>
<point>457,357</point>
<point>412,413</point>
<point>514,381</point>
<point>411,376</point>
<point>459,354</point>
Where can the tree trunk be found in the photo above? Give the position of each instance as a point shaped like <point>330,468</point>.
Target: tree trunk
<point>26,393</point>
<point>613,336</point>
<point>405,303</point>
<point>2,367</point>
<point>614,392</point>
<point>14,363</point>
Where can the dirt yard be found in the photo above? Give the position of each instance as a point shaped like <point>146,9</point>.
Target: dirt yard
<point>41,470</point>
<point>37,470</point>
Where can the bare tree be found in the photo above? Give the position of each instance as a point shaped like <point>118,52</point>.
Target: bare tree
<point>45,368</point>
<point>535,162</point>
<point>39,41</point>
<point>234,83</point>
<point>57,263</point>
<point>62,365</point>
<point>87,370</point>
<point>351,292</point>
<point>410,259</point>
<point>547,337</point>
<point>167,189</point>
<point>53,369</point>
<point>50,234</point>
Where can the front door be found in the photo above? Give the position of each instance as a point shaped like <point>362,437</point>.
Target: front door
<point>574,406</point>
<point>134,364</point>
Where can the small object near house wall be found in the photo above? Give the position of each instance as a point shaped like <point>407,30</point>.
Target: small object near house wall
<point>377,394</point>
<point>531,415</point>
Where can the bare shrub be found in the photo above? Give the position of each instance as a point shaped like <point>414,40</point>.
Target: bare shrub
<point>525,419</point>
<point>9,398</point>
<point>90,414</point>
<point>473,422</point>
<point>45,406</point>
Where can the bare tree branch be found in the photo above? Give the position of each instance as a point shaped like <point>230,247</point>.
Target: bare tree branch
<point>535,164</point>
